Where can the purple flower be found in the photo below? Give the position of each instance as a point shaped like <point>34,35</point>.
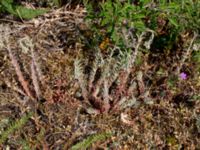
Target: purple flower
<point>183,76</point>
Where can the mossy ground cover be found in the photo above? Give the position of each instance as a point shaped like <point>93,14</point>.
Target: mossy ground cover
<point>53,67</point>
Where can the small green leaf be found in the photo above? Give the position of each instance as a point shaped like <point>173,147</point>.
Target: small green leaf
<point>173,22</point>
<point>21,11</point>
<point>139,25</point>
<point>138,16</point>
<point>8,6</point>
<point>29,13</point>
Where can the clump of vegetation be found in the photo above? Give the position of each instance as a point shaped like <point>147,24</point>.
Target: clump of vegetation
<point>121,30</point>
<point>136,62</point>
<point>36,74</point>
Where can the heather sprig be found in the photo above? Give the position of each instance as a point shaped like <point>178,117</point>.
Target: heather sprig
<point>14,126</point>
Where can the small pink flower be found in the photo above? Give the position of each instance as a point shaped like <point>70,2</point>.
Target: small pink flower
<point>183,76</point>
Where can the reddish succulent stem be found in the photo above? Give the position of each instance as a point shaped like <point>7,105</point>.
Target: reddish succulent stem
<point>19,73</point>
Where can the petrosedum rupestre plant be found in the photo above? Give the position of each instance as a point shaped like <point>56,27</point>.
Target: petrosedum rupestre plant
<point>107,85</point>
<point>120,30</point>
<point>36,74</point>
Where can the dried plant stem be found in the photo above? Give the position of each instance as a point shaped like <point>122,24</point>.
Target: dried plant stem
<point>106,96</point>
<point>187,53</point>
<point>124,74</point>
<point>134,55</point>
<point>15,88</point>
<point>80,77</point>
<point>35,80</point>
<point>19,73</point>
<point>37,66</point>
